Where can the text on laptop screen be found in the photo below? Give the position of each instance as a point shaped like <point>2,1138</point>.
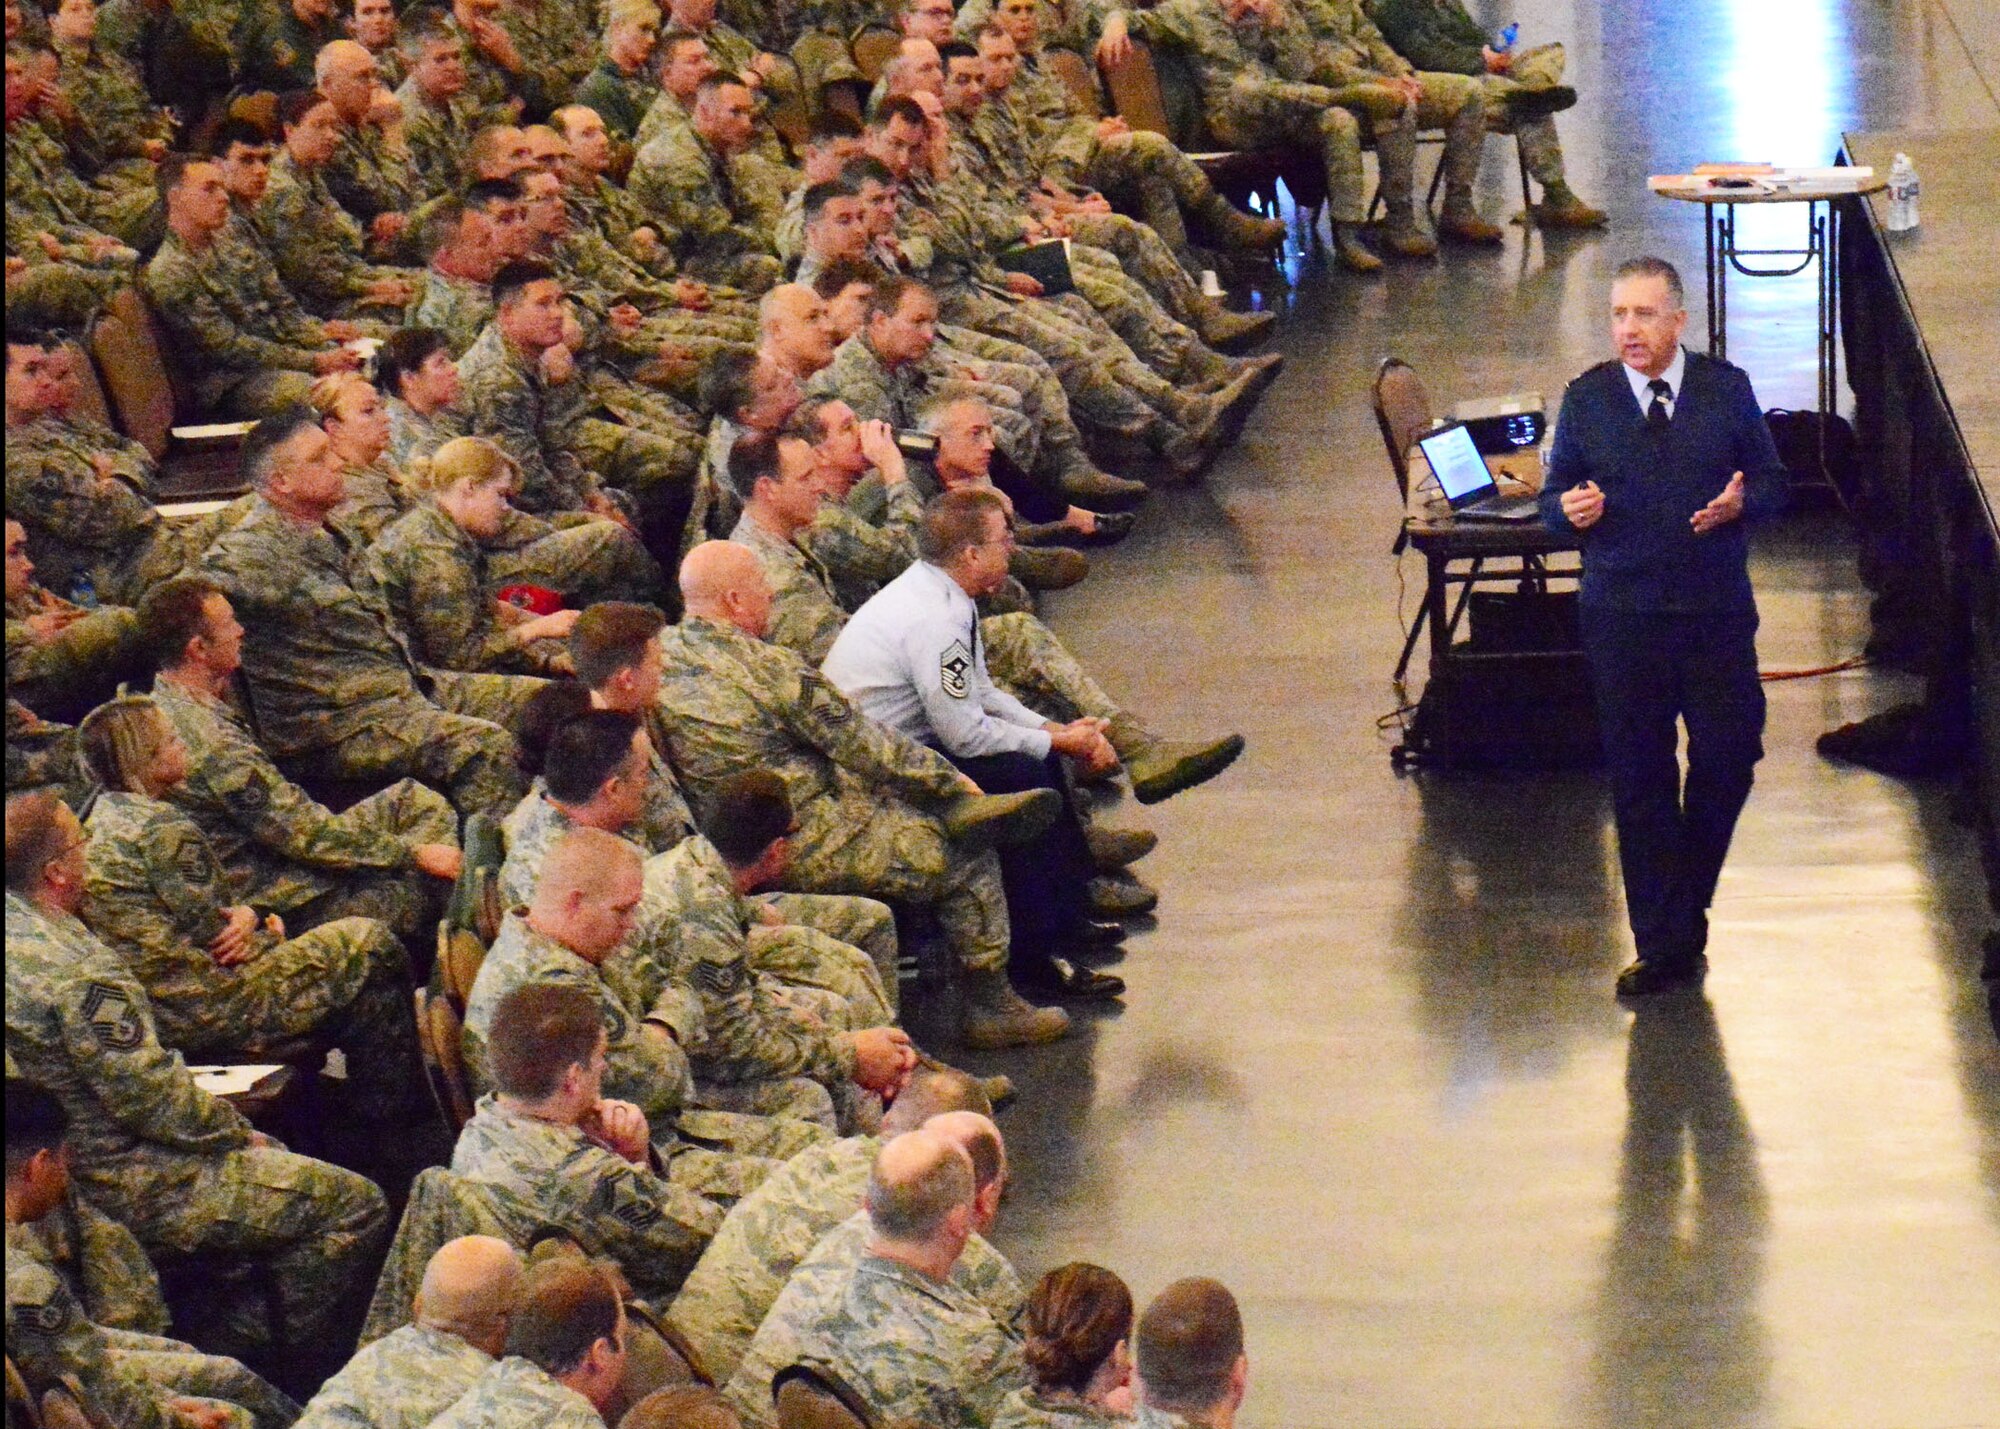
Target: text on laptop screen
<point>1460,470</point>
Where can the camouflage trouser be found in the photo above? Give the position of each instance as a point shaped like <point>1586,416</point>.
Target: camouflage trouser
<point>1107,386</point>
<point>1147,174</point>
<point>407,900</point>
<point>468,756</point>
<point>840,925</point>
<point>1059,446</point>
<point>1025,656</point>
<point>859,842</point>
<point>798,1099</point>
<point>1146,259</point>
<point>183,1369</point>
<point>1169,347</point>
<point>656,463</point>
<point>318,1230</point>
<point>347,980</point>
<point>252,395</point>
<point>79,667</point>
<point>599,560</point>
<point>1539,68</point>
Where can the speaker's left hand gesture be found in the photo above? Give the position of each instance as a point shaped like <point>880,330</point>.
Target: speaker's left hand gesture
<point>1724,509</point>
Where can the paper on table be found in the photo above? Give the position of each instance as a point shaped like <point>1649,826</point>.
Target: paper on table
<point>228,1081</point>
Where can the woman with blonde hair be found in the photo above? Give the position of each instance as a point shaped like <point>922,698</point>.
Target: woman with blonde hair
<point>1079,1329</point>
<point>357,423</point>
<point>223,978</point>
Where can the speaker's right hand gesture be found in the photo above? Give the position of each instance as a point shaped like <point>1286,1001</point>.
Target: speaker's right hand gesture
<point>1583,505</point>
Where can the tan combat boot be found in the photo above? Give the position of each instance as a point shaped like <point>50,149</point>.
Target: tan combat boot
<point>992,1015</point>
<point>1160,768</point>
<point>982,819</point>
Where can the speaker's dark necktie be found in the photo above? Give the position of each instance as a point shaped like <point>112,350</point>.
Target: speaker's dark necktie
<point>1657,416</point>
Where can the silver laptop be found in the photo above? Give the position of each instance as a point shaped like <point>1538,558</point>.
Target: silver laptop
<point>1467,482</point>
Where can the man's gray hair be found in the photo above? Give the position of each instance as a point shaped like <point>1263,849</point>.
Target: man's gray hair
<point>1647,266</point>
<point>954,521</point>
<point>915,1208</point>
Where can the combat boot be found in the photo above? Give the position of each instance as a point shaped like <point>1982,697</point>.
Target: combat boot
<point>1561,208</point>
<point>1232,227</point>
<point>980,819</point>
<point>1112,849</point>
<point>1219,327</point>
<point>1048,567</point>
<point>1354,255</point>
<point>998,1089</point>
<point>1121,896</point>
<point>1160,768</point>
<point>992,1015</point>
<point>1460,222</point>
<point>1185,454</point>
<point>1403,238</point>
<point>1101,491</point>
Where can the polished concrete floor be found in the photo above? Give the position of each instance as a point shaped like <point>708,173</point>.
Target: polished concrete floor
<point>1370,1071</point>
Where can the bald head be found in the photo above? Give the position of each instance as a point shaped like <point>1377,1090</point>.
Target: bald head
<point>471,1286</point>
<point>341,57</point>
<point>919,1183</point>
<point>975,1134</point>
<point>787,303</point>
<point>932,1091</point>
<point>581,862</point>
<point>715,570</point>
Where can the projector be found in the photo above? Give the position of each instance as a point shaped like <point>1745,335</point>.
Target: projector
<point>1500,425</point>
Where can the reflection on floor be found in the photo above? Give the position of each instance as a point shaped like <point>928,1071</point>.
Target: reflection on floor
<point>1370,1072</point>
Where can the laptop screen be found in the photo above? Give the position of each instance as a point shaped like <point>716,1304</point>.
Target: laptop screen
<point>1460,469</point>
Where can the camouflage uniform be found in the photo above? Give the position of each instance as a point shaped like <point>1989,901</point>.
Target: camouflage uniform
<point>134,219</point>
<point>44,197</point>
<point>1147,1417</point>
<point>289,854</point>
<point>251,345</point>
<point>1071,24</point>
<point>277,48</point>
<point>411,433</point>
<point>104,1266</point>
<point>334,688</point>
<point>876,393</point>
<point>65,674</point>
<point>157,894</point>
<point>558,44</point>
<point>916,1350</point>
<point>172,1162</point>
<point>49,1337</point>
<point>861,556</point>
<point>949,231</point>
<point>434,577</point>
<point>858,791</point>
<point>317,245</point>
<point>820,33</point>
<point>371,173</point>
<point>506,399</point>
<point>115,120</point>
<point>460,308</point>
<point>760,1244</point>
<point>185,51</point>
<point>718,232</point>
<point>437,138</point>
<point>649,1071</point>
<point>82,524</point>
<point>42,754</point>
<point>401,1381</point>
<point>514,1393</point>
<point>376,499</point>
<point>620,99</point>
<point>1025,1409</point>
<point>653,1227</point>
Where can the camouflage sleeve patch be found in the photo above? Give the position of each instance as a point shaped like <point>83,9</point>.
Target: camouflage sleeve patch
<point>620,1197</point>
<point>112,1018</point>
<point>825,702</point>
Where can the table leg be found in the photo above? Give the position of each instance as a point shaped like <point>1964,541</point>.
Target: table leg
<point>1436,567</point>
<point>1712,261</point>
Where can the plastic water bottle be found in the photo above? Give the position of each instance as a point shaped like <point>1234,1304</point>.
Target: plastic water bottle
<point>84,592</point>
<point>1903,190</point>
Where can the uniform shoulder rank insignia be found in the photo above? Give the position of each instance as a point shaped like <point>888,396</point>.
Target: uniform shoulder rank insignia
<point>824,700</point>
<point>955,670</point>
<point>635,1209</point>
<point>192,858</point>
<point>720,979</point>
<point>43,1319</point>
<point>109,1012</point>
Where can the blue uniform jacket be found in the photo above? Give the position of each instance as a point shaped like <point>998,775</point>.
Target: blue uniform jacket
<point>1643,555</point>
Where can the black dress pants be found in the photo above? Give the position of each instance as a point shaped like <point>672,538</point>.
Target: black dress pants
<point>1048,878</point>
<point>1653,671</point>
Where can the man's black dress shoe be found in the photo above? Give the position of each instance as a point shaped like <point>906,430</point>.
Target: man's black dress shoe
<point>1649,976</point>
<point>1097,933</point>
<point>1060,977</point>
